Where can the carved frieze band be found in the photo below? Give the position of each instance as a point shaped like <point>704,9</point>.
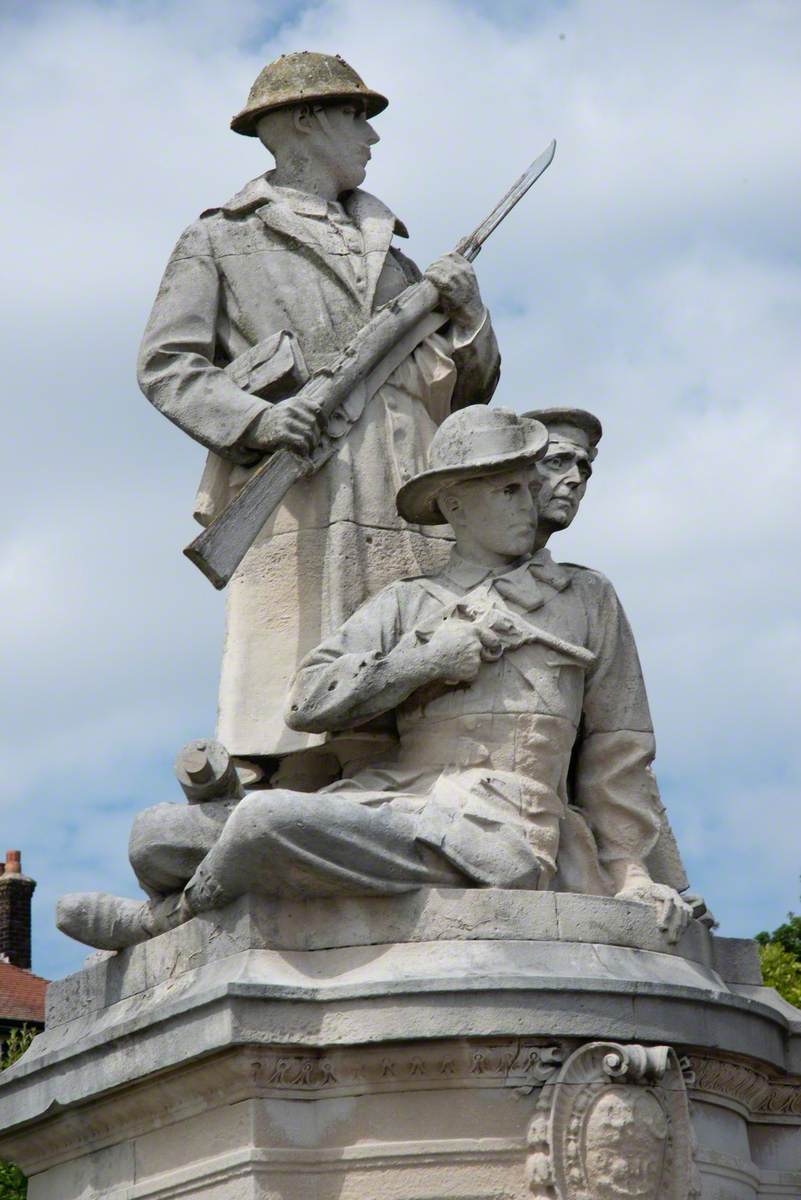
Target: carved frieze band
<point>523,1064</point>
<point>533,1067</point>
<point>756,1092</point>
<point>254,1070</point>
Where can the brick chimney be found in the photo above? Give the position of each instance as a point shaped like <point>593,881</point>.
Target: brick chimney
<point>16,891</point>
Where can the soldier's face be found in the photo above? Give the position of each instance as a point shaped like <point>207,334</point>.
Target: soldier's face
<point>498,513</point>
<point>564,470</point>
<point>340,137</point>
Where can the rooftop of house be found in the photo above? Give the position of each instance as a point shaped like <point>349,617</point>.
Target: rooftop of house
<point>22,994</point>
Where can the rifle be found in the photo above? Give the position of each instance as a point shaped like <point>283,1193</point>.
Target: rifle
<point>359,370</point>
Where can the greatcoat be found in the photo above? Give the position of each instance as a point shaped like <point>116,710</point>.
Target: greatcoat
<point>295,278</point>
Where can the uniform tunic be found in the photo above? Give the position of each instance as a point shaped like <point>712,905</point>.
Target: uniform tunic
<point>477,793</point>
<point>275,261</point>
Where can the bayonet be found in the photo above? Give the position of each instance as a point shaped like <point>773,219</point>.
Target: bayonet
<point>470,246</point>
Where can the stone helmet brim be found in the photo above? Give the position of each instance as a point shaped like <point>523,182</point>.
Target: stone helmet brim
<point>304,78</point>
<point>471,443</point>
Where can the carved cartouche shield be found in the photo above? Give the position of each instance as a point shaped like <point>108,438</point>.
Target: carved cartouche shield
<point>614,1125</point>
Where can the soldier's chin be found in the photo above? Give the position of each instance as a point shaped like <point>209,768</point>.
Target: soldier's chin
<point>520,545</point>
<point>353,178</point>
<point>558,518</point>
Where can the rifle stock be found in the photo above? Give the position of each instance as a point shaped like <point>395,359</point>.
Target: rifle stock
<point>220,548</point>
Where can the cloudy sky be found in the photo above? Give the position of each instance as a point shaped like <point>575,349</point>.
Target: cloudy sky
<point>653,275</point>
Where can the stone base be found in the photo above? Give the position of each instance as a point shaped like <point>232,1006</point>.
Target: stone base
<point>440,1044</point>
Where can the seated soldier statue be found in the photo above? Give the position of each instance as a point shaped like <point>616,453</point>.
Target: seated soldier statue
<point>489,670</point>
<point>565,470</point>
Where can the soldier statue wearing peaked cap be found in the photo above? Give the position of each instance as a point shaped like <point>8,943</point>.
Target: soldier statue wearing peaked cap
<point>564,470</point>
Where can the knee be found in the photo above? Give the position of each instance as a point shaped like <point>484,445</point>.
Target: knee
<point>262,814</point>
<point>147,832</point>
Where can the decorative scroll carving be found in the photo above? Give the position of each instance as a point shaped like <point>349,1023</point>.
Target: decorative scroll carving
<point>614,1125</point>
<point>757,1092</point>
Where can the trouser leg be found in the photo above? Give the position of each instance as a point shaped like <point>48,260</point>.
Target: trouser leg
<point>169,841</point>
<point>283,843</point>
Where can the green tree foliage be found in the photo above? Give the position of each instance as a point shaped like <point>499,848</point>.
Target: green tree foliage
<point>781,971</point>
<point>788,936</point>
<point>780,954</point>
<point>13,1184</point>
<point>16,1044</point>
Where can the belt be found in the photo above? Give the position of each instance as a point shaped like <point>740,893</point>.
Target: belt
<point>476,739</point>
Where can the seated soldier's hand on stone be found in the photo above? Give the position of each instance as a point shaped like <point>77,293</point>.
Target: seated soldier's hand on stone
<point>292,424</point>
<point>700,912</point>
<point>456,282</point>
<point>672,913</point>
<point>455,651</point>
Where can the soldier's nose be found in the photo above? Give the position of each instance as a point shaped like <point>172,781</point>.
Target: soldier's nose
<point>372,136</point>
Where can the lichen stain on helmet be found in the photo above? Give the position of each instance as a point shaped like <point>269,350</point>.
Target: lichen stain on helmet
<point>304,78</point>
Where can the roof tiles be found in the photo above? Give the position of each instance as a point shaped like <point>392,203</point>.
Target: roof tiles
<point>22,994</point>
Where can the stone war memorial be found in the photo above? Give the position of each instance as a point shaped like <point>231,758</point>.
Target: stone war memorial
<point>414,925</point>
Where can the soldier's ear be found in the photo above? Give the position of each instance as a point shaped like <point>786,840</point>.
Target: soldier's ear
<point>303,116</point>
<point>448,504</point>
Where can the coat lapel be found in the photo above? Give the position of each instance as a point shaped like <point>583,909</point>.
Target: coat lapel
<point>543,567</point>
<point>524,586</point>
<point>377,224</point>
<point>528,585</point>
<point>315,238</point>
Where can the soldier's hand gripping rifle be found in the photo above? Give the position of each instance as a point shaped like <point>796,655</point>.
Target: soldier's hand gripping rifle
<point>364,365</point>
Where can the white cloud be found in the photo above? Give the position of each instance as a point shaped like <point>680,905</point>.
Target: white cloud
<point>652,275</point>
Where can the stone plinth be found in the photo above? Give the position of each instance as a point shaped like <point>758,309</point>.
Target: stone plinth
<point>428,1046</point>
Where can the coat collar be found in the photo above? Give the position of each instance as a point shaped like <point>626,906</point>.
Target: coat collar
<point>519,582</point>
<point>377,224</point>
<point>287,210</point>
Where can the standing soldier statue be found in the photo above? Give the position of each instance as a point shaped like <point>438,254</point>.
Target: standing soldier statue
<point>259,294</point>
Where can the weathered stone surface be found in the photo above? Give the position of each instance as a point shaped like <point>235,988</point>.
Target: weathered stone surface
<point>429,915</point>
<point>403,1056</point>
<point>566,466</point>
<point>737,960</point>
<point>614,1123</point>
<point>292,973</point>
